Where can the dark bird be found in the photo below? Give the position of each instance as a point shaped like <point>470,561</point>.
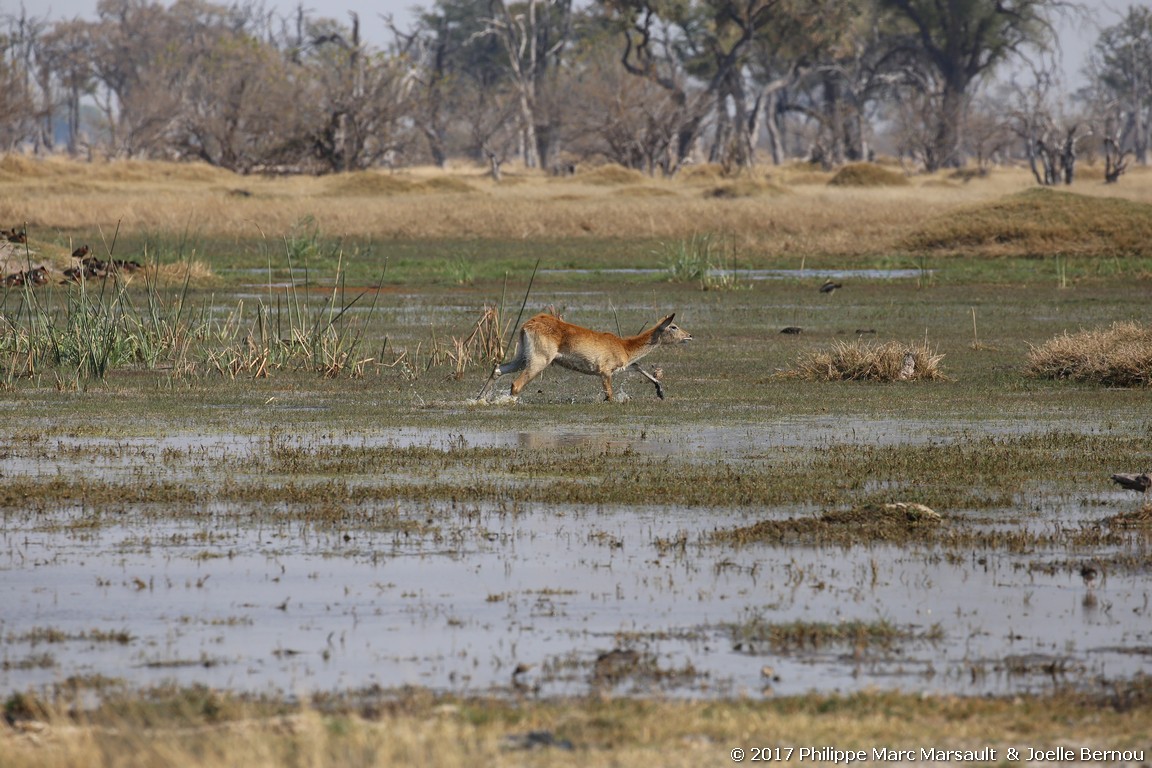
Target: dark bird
<point>792,329</point>
<point>1138,483</point>
<point>81,252</point>
<point>829,286</point>
<point>124,265</point>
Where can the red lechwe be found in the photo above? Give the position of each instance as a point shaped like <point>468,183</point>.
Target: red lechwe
<point>546,339</point>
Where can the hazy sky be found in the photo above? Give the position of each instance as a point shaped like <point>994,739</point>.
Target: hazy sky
<point>372,26</point>
<point>1076,37</point>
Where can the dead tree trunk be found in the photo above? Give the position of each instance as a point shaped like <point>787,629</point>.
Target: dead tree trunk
<point>1115,161</point>
<point>1057,160</point>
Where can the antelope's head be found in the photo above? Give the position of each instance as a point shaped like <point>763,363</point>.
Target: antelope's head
<point>668,332</point>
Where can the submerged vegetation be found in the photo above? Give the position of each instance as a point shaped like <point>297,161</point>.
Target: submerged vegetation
<point>759,635</point>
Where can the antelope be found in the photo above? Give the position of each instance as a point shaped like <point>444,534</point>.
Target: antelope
<point>546,339</point>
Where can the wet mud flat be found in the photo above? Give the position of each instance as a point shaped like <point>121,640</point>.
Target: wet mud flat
<point>464,563</point>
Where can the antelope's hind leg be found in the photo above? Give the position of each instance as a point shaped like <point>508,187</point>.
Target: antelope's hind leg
<point>536,354</point>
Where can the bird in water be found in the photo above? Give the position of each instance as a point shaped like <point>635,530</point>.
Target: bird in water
<point>1139,483</point>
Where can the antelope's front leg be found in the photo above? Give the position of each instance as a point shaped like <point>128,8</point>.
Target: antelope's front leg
<point>659,387</point>
<point>606,379</point>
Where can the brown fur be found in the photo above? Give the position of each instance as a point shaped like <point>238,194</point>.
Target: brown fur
<point>546,339</point>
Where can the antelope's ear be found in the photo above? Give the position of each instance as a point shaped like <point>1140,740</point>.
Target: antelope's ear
<point>666,321</point>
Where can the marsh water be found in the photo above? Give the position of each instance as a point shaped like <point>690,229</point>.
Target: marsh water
<point>545,599</point>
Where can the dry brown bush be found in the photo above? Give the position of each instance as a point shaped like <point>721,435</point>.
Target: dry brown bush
<point>705,172</point>
<point>891,361</point>
<point>611,174</point>
<point>744,188</point>
<point>1117,356</point>
<point>368,183</point>
<point>867,175</point>
<point>446,184</point>
<point>644,192</point>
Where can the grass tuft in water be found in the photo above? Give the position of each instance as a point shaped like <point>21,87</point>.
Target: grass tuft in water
<point>758,635</point>
<point>891,361</point>
<point>1117,356</point>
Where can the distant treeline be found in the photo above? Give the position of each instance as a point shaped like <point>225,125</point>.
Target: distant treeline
<point>647,84</point>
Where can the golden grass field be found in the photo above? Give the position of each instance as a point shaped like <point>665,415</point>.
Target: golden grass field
<point>774,213</point>
<point>420,730</point>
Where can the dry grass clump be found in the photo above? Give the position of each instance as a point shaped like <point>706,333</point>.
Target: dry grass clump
<point>746,187</point>
<point>611,174</point>
<point>898,522</point>
<point>891,361</point>
<point>1040,222</point>
<point>368,183</point>
<point>445,184</point>
<point>372,183</point>
<point>639,192</point>
<point>867,175</point>
<point>1140,519</point>
<point>193,271</point>
<point>15,167</point>
<point>706,172</point>
<point>20,167</point>
<point>1118,356</point>
<point>969,174</point>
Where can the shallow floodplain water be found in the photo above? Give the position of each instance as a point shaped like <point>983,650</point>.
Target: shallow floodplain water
<point>535,598</point>
<point>526,597</point>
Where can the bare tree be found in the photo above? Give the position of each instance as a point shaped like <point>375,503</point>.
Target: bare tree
<point>988,132</point>
<point>533,40</point>
<point>65,52</point>
<point>18,98</point>
<point>1121,67</point>
<point>238,109</point>
<point>359,98</point>
<point>957,44</point>
<point>1051,135</point>
<point>652,52</point>
<point>629,120</point>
